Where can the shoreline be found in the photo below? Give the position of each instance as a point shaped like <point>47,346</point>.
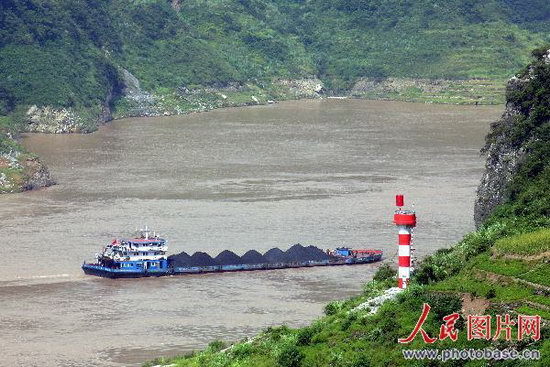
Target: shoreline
<point>313,288</point>
<point>15,176</point>
<point>436,91</point>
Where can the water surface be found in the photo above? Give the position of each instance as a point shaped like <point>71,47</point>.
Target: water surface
<point>320,172</point>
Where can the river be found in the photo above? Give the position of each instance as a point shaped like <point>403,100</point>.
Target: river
<point>315,172</point>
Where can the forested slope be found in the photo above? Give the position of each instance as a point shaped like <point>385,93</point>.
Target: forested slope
<point>80,63</point>
<point>66,53</point>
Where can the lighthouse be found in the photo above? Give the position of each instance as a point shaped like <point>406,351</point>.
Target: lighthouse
<point>405,220</point>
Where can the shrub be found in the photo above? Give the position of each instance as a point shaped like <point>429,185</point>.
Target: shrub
<point>384,272</point>
<point>539,52</point>
<point>447,262</point>
<point>362,361</point>
<point>290,357</point>
<point>352,316</point>
<point>242,350</point>
<point>305,335</point>
<point>276,333</point>
<point>7,145</point>
<point>333,308</point>
<point>216,346</point>
<point>443,304</point>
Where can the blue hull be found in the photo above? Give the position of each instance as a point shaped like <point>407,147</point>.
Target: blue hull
<point>106,272</point>
<point>102,271</point>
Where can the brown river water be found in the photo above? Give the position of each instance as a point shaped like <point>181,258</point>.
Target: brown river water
<point>319,172</point>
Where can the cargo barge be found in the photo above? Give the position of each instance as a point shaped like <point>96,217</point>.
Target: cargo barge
<point>145,256</point>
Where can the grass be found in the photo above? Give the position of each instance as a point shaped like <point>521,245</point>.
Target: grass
<point>347,338</point>
<point>344,337</point>
<point>354,338</point>
<point>470,91</point>
<point>483,288</point>
<point>502,266</point>
<point>500,278</point>
<point>527,310</point>
<point>14,180</point>
<point>524,244</point>
<point>540,274</point>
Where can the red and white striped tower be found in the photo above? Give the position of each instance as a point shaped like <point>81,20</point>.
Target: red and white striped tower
<point>405,220</point>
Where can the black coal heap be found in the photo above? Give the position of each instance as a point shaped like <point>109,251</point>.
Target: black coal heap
<point>296,253</point>
<point>253,257</point>
<point>180,260</point>
<point>275,256</point>
<point>227,257</point>
<point>201,259</point>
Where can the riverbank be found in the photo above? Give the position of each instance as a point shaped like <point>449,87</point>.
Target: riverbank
<point>136,102</point>
<point>19,169</point>
<point>235,178</point>
<point>499,272</point>
<point>485,274</point>
<point>164,102</point>
<point>446,91</point>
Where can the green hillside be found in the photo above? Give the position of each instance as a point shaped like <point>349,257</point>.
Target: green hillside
<point>66,54</point>
<point>426,38</point>
<point>503,268</point>
<point>73,59</point>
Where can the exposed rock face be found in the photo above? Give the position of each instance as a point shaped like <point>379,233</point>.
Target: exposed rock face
<point>503,159</point>
<point>136,102</point>
<point>36,174</point>
<point>22,171</point>
<point>140,102</point>
<point>504,155</point>
<point>231,87</point>
<point>392,85</point>
<point>59,120</point>
<point>52,120</point>
<point>303,88</point>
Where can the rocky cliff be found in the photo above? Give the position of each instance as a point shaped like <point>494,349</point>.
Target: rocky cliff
<point>135,101</point>
<point>517,138</point>
<point>20,171</point>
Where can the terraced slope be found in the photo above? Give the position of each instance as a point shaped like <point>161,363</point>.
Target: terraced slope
<point>501,269</point>
<point>514,274</point>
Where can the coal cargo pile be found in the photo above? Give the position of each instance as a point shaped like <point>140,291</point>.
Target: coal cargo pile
<point>253,257</point>
<point>317,254</point>
<point>201,259</point>
<point>180,260</point>
<point>275,256</point>
<point>297,253</point>
<point>227,257</point>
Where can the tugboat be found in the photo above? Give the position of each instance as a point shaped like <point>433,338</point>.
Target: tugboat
<point>144,255</point>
